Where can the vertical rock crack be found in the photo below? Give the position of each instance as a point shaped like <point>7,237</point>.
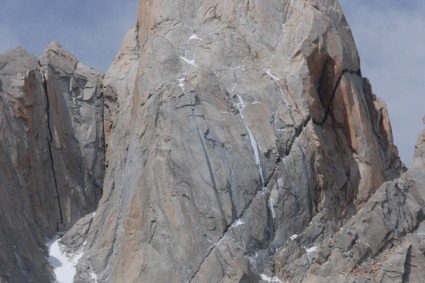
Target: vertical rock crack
<point>49,146</point>
<point>207,159</point>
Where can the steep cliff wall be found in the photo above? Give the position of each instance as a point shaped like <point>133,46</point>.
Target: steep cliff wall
<point>230,141</point>
<point>231,126</point>
<point>51,155</point>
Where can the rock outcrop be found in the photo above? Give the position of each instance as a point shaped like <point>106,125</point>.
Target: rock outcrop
<point>231,126</point>
<point>383,242</point>
<point>51,154</point>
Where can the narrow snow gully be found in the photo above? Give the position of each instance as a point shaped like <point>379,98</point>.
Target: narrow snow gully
<point>241,105</point>
<point>63,264</point>
<point>271,206</point>
<point>276,80</point>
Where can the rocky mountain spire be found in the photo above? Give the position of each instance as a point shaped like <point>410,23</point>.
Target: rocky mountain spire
<point>232,126</point>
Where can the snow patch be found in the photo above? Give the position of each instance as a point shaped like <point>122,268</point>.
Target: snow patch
<point>237,223</point>
<point>271,205</point>
<point>63,264</point>
<point>241,105</point>
<point>271,75</point>
<point>294,237</point>
<point>269,279</point>
<point>93,276</point>
<point>181,83</point>
<point>276,80</point>
<point>253,261</point>
<point>190,62</point>
<point>273,201</point>
<point>311,252</point>
<point>194,37</point>
<point>313,249</point>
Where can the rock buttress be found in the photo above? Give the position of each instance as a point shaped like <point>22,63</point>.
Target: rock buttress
<point>51,155</point>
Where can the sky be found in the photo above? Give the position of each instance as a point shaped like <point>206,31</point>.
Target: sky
<point>91,29</point>
<point>390,37</point>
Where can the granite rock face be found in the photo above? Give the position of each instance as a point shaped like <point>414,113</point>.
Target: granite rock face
<point>76,122</point>
<point>230,141</point>
<point>230,127</point>
<point>51,154</point>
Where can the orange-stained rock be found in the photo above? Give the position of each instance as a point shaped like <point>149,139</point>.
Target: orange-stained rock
<point>230,126</point>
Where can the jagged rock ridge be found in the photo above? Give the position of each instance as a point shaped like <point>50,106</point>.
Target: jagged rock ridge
<point>383,242</point>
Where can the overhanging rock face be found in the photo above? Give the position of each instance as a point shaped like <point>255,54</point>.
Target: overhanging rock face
<point>51,154</point>
<point>231,126</point>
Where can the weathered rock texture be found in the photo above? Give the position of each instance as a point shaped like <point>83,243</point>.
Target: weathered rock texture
<point>242,145</point>
<point>230,126</point>
<point>51,155</point>
<point>383,242</point>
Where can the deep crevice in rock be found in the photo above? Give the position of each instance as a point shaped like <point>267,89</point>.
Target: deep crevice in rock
<point>332,97</point>
<point>298,131</point>
<point>407,265</point>
<point>103,133</point>
<point>49,146</point>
